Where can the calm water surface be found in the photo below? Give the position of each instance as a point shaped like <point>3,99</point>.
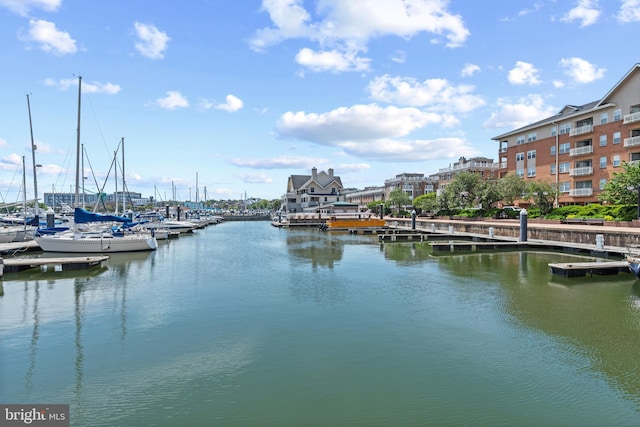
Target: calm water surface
<point>243,324</point>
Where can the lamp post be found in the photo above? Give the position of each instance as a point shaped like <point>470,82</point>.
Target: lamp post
<point>637,188</point>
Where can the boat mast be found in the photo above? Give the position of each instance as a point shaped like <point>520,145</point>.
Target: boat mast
<point>124,185</point>
<point>24,193</point>
<point>115,177</point>
<point>77,199</point>
<point>33,156</point>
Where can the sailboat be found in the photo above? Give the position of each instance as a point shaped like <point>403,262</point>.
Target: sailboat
<point>96,240</point>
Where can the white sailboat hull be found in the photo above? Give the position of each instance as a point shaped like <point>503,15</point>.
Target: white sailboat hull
<point>78,243</point>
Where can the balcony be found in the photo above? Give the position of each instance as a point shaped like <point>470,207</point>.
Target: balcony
<point>630,142</point>
<point>581,151</point>
<point>587,170</point>
<point>581,192</point>
<point>630,118</point>
<point>470,165</point>
<point>581,130</point>
<point>503,165</point>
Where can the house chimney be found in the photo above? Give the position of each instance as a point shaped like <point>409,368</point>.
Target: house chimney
<point>331,172</point>
<point>314,173</point>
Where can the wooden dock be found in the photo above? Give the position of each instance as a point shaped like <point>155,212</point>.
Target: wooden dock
<point>50,264</point>
<point>476,246</point>
<point>579,269</point>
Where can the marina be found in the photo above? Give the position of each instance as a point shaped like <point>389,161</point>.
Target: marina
<point>304,327</point>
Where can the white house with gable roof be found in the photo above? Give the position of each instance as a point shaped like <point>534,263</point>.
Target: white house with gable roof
<point>307,192</point>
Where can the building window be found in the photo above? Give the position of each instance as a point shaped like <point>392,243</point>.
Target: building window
<point>564,167</point>
<point>520,173</point>
<point>603,183</point>
<point>617,115</point>
<point>616,160</point>
<point>565,148</point>
<point>603,140</point>
<point>604,118</point>
<point>532,137</point>
<point>520,140</point>
<point>616,137</point>
<point>554,131</point>
<point>565,128</point>
<point>531,154</point>
<point>603,162</point>
<point>312,190</point>
<point>564,187</point>
<point>531,172</point>
<point>553,169</point>
<point>519,157</point>
<point>553,150</point>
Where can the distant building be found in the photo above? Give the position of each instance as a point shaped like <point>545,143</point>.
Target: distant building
<point>412,184</point>
<point>307,192</point>
<point>58,200</point>
<point>482,166</point>
<point>366,196</point>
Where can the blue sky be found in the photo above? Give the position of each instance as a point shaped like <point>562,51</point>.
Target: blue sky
<point>239,95</point>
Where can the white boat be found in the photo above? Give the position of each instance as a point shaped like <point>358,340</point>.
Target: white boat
<point>100,241</point>
<point>95,242</point>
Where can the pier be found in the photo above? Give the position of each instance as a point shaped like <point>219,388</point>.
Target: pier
<point>580,269</point>
<point>54,264</point>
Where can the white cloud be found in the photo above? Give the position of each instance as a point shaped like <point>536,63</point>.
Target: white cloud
<point>24,7</point>
<point>343,28</point>
<point>581,71</point>
<point>93,87</point>
<point>232,104</point>
<point>469,70</point>
<point>586,11</point>
<point>173,100</point>
<point>3,142</point>
<point>359,122</point>
<point>49,38</point>
<point>373,132</point>
<point>332,60</point>
<point>352,167</point>
<point>282,162</point>
<point>433,94</point>
<point>629,11</point>
<point>254,178</point>
<point>399,56</point>
<point>151,42</point>
<point>523,73</point>
<point>515,114</point>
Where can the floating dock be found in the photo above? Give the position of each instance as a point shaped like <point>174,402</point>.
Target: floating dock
<point>54,264</point>
<point>579,269</point>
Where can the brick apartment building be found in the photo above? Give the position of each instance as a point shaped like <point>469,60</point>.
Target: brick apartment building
<point>578,150</point>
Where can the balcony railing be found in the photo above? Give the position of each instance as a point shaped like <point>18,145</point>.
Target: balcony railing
<point>479,165</point>
<point>580,151</point>
<point>630,118</point>
<point>587,170</point>
<point>581,192</point>
<point>503,165</point>
<point>581,130</point>
<point>630,142</point>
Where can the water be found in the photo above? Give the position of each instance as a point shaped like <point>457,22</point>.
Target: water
<point>243,324</point>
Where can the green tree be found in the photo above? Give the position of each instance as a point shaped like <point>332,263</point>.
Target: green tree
<point>465,189</point>
<point>489,193</point>
<point>426,202</point>
<point>543,195</point>
<point>399,198</point>
<point>512,187</point>
<point>623,187</point>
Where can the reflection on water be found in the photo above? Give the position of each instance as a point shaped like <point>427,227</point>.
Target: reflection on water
<point>319,248</point>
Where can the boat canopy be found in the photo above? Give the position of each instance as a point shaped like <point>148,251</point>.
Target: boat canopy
<point>81,216</point>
